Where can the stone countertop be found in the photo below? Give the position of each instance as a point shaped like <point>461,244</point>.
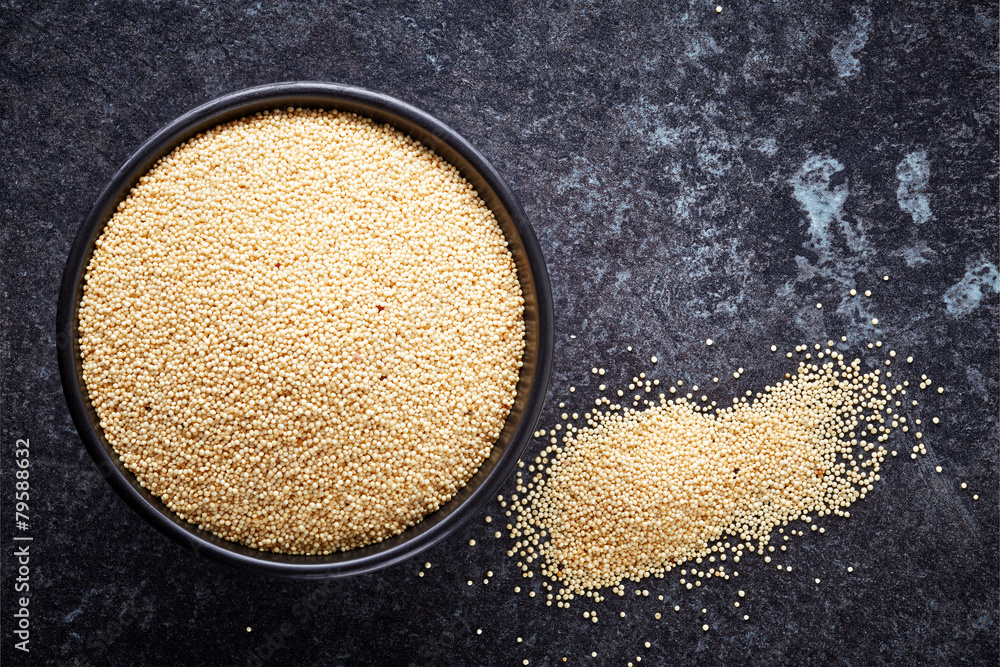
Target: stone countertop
<point>690,175</point>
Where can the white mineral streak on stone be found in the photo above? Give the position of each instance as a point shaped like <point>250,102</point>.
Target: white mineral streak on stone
<point>850,42</point>
<point>766,145</point>
<point>914,172</point>
<point>822,202</point>
<point>918,254</point>
<point>964,296</point>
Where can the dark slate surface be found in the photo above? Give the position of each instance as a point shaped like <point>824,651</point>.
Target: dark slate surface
<point>690,175</point>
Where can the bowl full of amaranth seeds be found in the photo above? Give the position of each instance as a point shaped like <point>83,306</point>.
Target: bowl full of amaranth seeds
<point>306,330</point>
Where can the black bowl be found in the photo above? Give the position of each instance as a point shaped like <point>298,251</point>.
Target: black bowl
<point>531,273</point>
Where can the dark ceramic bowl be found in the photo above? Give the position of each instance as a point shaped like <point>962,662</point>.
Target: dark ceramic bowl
<point>531,274</point>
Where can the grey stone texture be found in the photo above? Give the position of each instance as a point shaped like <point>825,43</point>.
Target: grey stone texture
<point>690,175</point>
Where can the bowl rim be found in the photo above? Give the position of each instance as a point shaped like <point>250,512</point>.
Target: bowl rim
<point>220,110</point>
